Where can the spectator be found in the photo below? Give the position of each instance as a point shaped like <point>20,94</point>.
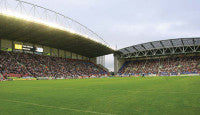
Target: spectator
<point>166,66</point>
<point>25,64</point>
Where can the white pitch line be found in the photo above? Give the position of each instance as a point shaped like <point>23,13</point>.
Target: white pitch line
<point>63,108</point>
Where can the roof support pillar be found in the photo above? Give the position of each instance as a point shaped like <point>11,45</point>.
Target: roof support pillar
<point>12,45</point>
<point>34,49</point>
<point>50,51</point>
<point>163,51</point>
<point>43,50</point>
<point>146,52</point>
<point>65,54</point>
<point>58,53</point>
<point>183,49</point>
<point>0,44</point>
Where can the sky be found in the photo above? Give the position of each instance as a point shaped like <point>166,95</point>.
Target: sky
<point>123,23</point>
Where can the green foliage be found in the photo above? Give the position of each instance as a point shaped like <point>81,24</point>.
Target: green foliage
<point>122,96</point>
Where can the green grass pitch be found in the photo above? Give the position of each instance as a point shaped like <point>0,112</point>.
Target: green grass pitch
<point>106,96</point>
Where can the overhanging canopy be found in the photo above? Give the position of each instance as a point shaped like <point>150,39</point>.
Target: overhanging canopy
<point>162,47</point>
<point>16,29</point>
<point>170,43</point>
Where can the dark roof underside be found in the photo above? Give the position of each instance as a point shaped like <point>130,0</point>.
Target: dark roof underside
<point>25,31</point>
<point>170,43</point>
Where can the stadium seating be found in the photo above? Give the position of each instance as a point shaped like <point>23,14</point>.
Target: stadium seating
<point>162,67</point>
<point>16,64</point>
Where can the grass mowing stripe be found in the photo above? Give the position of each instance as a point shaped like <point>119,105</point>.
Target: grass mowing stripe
<point>135,91</point>
<point>63,108</point>
<point>163,92</point>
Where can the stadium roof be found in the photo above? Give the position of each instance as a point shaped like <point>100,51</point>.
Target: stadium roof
<point>46,27</point>
<point>162,45</point>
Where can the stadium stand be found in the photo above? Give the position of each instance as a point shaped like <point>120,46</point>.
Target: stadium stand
<point>46,45</point>
<point>17,64</point>
<point>163,66</point>
<point>180,56</point>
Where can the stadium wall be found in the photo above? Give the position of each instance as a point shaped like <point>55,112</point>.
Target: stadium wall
<point>8,45</point>
<point>101,60</point>
<point>118,62</point>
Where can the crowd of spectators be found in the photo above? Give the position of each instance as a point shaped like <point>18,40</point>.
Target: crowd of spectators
<point>165,66</point>
<point>26,64</point>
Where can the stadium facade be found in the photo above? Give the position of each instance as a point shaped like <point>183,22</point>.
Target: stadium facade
<point>36,42</point>
<point>26,27</point>
<point>35,30</point>
<point>156,53</point>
